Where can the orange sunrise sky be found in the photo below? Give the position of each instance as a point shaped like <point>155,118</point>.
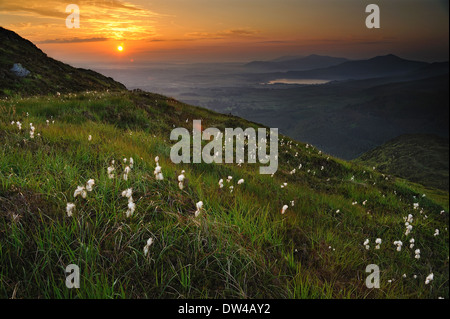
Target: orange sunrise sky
<point>228,30</point>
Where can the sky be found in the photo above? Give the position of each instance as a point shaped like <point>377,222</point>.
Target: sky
<point>228,30</point>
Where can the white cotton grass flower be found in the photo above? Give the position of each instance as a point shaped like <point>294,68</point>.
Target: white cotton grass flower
<point>19,125</point>
<point>131,160</point>
<point>80,191</point>
<point>32,129</point>
<point>181,179</point>
<point>131,208</point>
<point>110,171</point>
<point>90,184</point>
<point>417,254</point>
<point>399,245</point>
<point>284,208</point>
<point>90,138</point>
<point>147,246</point>
<point>158,173</point>
<point>126,171</point>
<point>241,181</point>
<point>366,244</point>
<point>221,183</point>
<point>69,209</point>
<point>231,189</point>
<point>128,193</point>
<point>408,229</point>
<point>436,232</point>
<point>292,203</point>
<point>410,218</point>
<point>429,279</point>
<point>378,241</point>
<point>411,243</point>
<point>229,178</point>
<point>199,206</point>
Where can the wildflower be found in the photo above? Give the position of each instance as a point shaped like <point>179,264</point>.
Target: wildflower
<point>410,218</point>
<point>415,205</point>
<point>436,232</point>
<point>411,242</point>
<point>131,162</point>
<point>32,130</point>
<point>408,229</point>
<point>147,246</point>
<point>283,210</point>
<point>292,203</point>
<point>110,172</point>
<point>199,206</point>
<point>19,125</point>
<point>128,193</point>
<point>417,254</point>
<point>157,159</point>
<point>126,171</point>
<point>90,138</point>
<point>231,189</point>
<point>69,209</point>
<point>399,245</point>
<point>80,191</point>
<point>229,178</point>
<point>131,209</point>
<point>241,181</point>
<point>378,241</point>
<point>366,244</point>
<point>429,279</point>
<point>181,180</point>
<point>221,183</point>
<point>364,202</point>
<point>89,185</point>
<point>158,173</point>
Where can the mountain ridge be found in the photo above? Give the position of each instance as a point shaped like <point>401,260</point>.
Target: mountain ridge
<point>46,75</point>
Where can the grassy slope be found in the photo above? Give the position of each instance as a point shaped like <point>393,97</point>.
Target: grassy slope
<point>240,246</point>
<point>419,158</point>
<point>47,75</point>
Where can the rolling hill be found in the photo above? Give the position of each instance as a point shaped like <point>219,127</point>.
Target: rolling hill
<point>46,75</point>
<point>419,158</point>
<point>301,233</point>
<point>309,62</point>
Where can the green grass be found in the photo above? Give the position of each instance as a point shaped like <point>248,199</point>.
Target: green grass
<point>420,158</point>
<point>239,247</point>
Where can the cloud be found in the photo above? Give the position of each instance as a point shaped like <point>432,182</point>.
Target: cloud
<point>114,19</point>
<point>73,40</point>
<point>226,34</point>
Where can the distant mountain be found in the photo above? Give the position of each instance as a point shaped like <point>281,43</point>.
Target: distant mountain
<point>296,63</point>
<point>419,158</point>
<point>25,69</point>
<point>380,66</point>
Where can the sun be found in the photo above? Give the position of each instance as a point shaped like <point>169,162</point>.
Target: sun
<point>120,48</point>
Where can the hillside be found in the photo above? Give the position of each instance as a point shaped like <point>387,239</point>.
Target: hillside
<point>239,244</point>
<point>46,75</point>
<point>377,67</point>
<point>419,158</point>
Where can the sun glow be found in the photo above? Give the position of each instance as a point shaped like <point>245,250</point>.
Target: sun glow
<point>120,48</point>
